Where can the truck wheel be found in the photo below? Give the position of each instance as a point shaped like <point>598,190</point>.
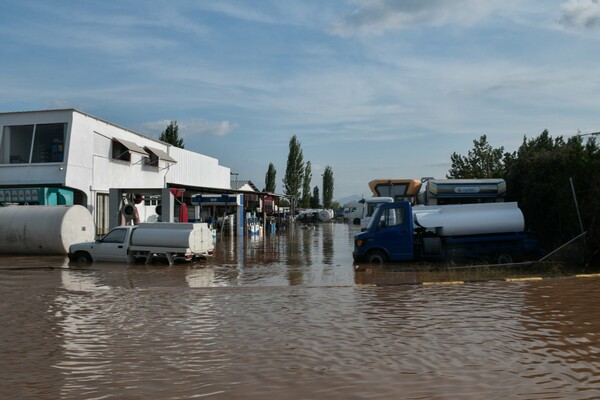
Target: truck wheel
<point>376,257</point>
<point>504,258</point>
<point>82,257</point>
<point>356,221</point>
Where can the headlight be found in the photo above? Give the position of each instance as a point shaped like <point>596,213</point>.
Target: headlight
<point>359,242</point>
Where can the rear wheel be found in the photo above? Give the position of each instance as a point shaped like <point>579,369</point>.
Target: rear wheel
<point>504,258</point>
<point>82,257</point>
<point>377,257</point>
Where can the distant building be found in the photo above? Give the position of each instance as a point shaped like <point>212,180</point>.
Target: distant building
<point>70,157</point>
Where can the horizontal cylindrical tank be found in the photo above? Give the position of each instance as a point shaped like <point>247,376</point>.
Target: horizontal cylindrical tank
<point>194,236</point>
<point>470,219</point>
<point>44,229</point>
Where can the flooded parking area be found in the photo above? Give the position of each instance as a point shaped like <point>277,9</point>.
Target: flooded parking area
<point>289,316</point>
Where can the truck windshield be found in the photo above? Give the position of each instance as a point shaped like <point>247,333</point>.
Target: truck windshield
<point>115,236</point>
<point>386,218</point>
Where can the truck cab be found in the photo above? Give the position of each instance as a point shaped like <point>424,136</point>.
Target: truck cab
<point>388,235</point>
<point>114,246</point>
<point>369,206</point>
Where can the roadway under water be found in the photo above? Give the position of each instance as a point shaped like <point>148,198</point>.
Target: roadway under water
<point>288,316</point>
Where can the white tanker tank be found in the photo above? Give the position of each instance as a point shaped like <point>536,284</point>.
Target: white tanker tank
<point>195,236</point>
<point>44,229</point>
<point>470,219</point>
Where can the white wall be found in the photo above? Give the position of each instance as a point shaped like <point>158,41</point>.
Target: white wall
<point>196,169</point>
<point>35,174</point>
<point>89,167</point>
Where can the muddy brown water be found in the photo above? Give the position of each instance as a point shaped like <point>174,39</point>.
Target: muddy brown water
<point>289,317</point>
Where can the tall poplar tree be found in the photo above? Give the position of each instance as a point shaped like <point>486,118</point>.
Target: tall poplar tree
<point>306,186</point>
<point>294,172</point>
<point>270,179</point>
<point>327,187</point>
<point>314,199</point>
<point>171,135</point>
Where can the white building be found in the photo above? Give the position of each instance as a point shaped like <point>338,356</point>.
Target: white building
<point>69,157</point>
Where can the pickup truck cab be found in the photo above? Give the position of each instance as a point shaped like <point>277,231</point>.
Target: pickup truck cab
<point>173,241</point>
<point>114,246</point>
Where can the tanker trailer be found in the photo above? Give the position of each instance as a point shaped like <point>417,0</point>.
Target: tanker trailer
<point>490,231</point>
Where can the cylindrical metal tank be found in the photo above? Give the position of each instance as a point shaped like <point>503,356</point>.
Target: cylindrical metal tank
<point>174,235</point>
<point>470,219</point>
<point>44,229</point>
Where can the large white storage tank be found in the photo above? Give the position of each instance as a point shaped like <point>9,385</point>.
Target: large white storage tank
<point>44,229</point>
<point>470,219</point>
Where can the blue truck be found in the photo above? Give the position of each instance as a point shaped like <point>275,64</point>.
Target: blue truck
<point>485,232</point>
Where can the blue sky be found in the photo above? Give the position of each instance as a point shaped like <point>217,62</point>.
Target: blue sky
<point>374,89</point>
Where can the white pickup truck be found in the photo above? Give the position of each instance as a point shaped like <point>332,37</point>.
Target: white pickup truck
<point>144,242</point>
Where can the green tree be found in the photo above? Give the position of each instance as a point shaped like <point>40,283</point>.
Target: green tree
<point>327,187</point>
<point>314,200</point>
<point>538,178</point>
<point>306,186</point>
<point>270,179</point>
<point>294,172</point>
<point>482,162</point>
<point>171,135</point>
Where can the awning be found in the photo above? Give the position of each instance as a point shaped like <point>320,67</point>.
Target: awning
<point>160,154</point>
<point>131,146</point>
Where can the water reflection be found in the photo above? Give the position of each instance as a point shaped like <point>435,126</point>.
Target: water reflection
<point>260,320</point>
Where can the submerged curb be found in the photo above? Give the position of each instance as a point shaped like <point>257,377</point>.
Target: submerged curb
<point>449,283</point>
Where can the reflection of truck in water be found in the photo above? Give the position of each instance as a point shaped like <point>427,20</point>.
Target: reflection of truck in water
<point>491,232</point>
<point>144,242</point>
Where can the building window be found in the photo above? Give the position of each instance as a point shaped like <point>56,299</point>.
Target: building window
<point>152,160</point>
<point>15,146</point>
<point>48,144</point>
<point>42,143</point>
<point>120,152</point>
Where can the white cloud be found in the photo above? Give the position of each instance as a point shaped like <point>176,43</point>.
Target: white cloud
<point>206,128</point>
<point>377,16</point>
<point>580,14</point>
<point>193,127</point>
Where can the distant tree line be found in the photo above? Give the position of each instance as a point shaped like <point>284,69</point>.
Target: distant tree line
<point>538,176</point>
<point>298,178</point>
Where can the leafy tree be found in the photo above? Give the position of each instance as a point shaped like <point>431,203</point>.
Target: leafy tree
<point>171,135</point>
<point>538,177</point>
<point>336,205</point>
<point>306,186</point>
<point>294,172</point>
<point>314,200</point>
<point>327,187</point>
<point>482,162</point>
<point>270,179</point>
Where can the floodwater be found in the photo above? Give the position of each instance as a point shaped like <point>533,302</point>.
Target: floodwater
<point>289,317</point>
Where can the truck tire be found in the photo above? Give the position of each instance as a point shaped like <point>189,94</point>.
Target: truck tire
<point>504,258</point>
<point>82,257</point>
<point>377,257</point>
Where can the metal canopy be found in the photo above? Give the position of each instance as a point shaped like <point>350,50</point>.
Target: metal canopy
<point>160,154</point>
<point>131,146</point>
